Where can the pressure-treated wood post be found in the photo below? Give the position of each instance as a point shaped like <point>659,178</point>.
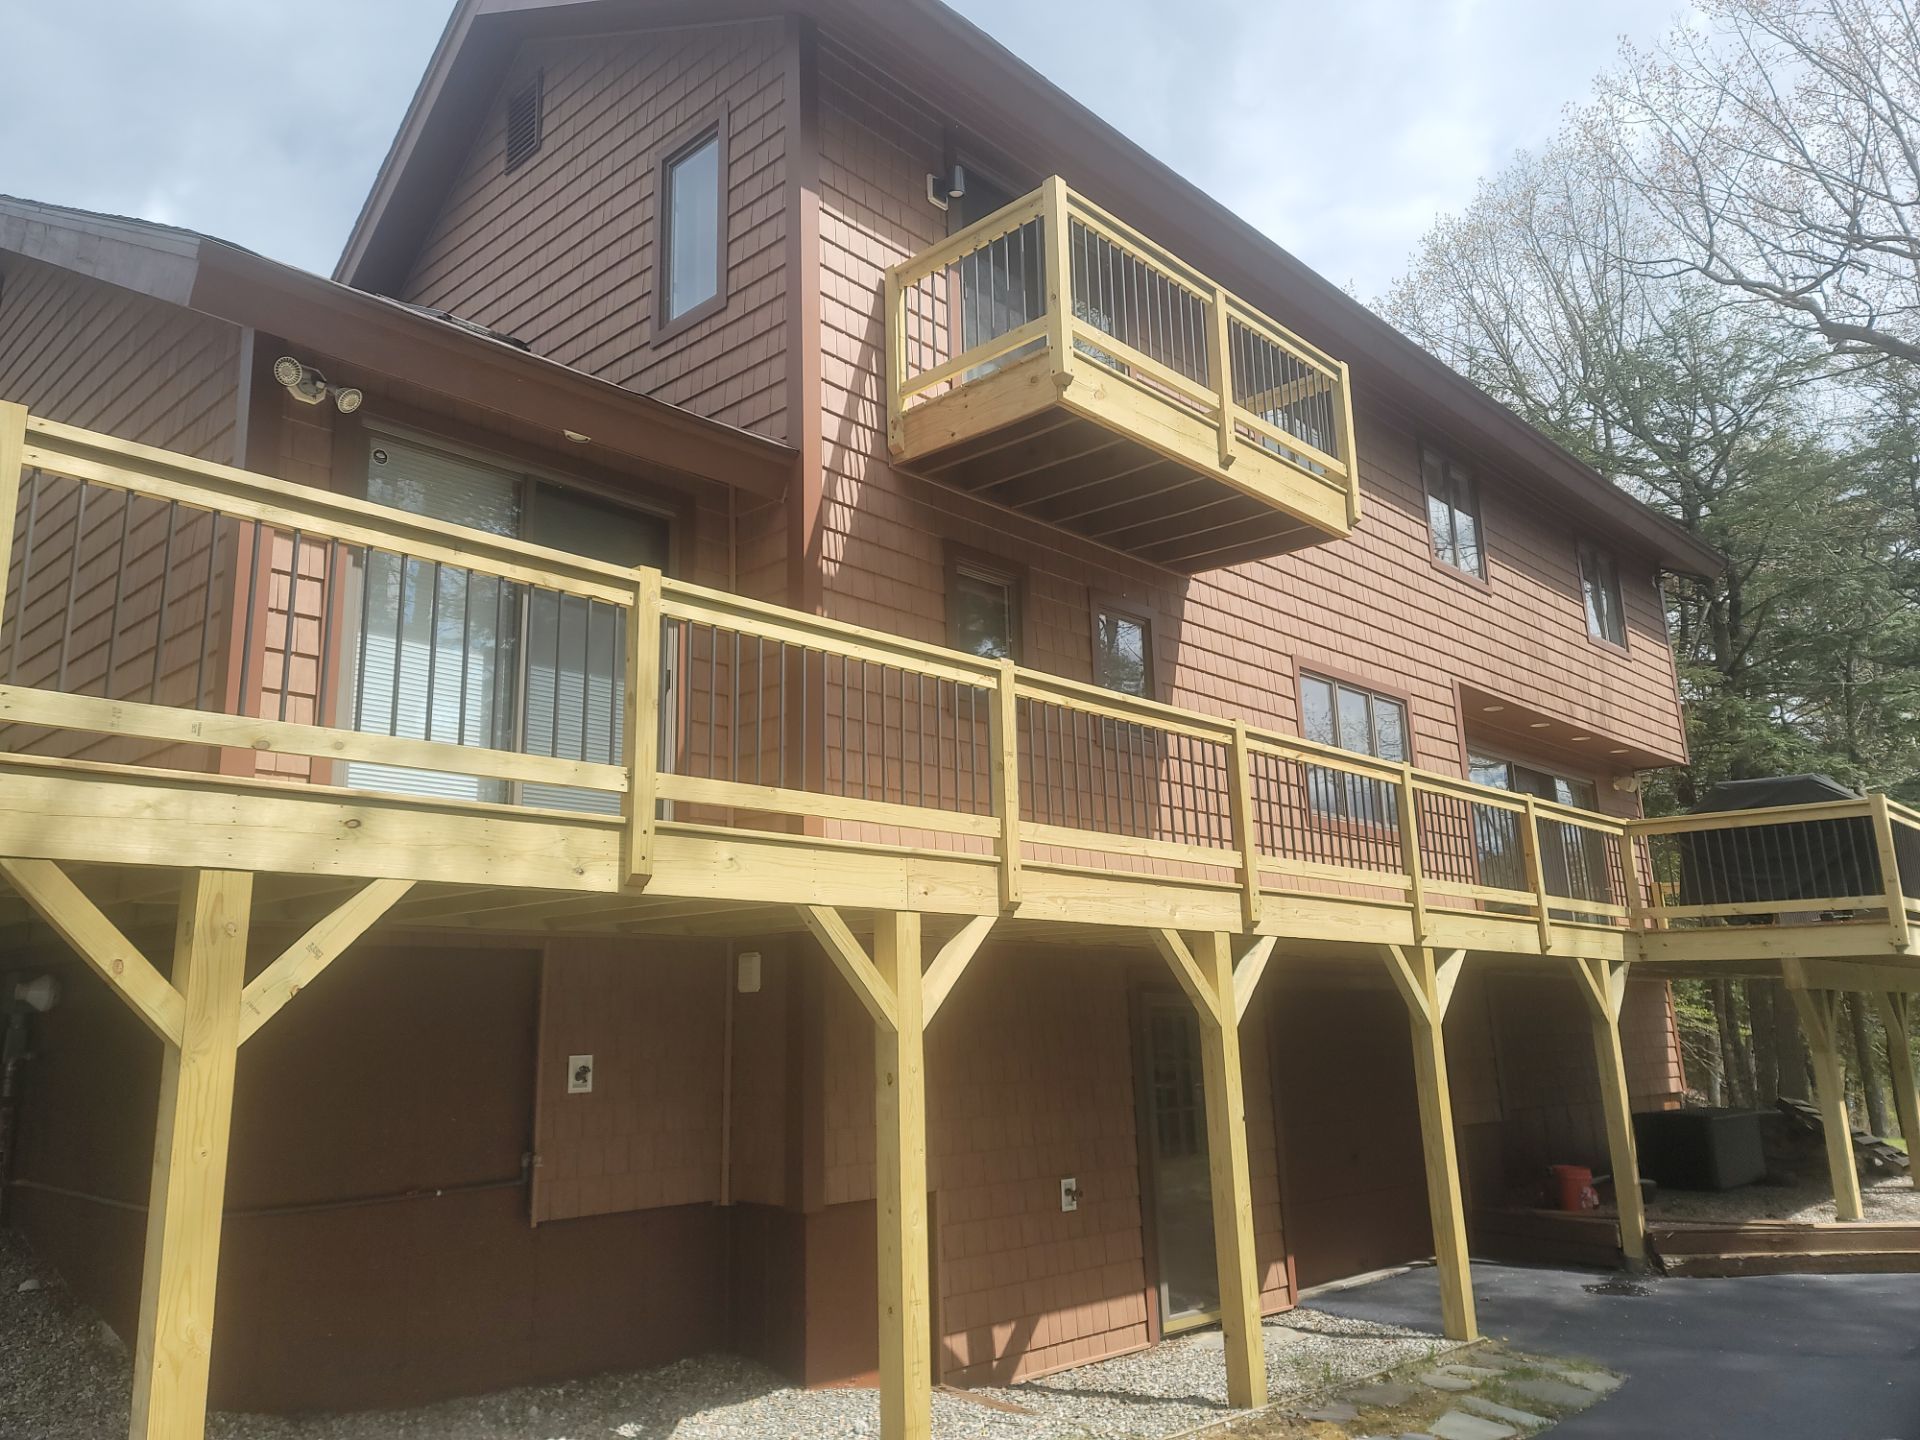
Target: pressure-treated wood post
<point>1603,986</point>
<point>1058,238</point>
<point>190,1161</point>
<point>1206,974</point>
<point>1410,853</point>
<point>641,717</point>
<point>1220,351</point>
<point>13,444</point>
<point>1246,825</point>
<point>1232,1180</point>
<point>1427,988</point>
<point>1898,927</point>
<point>1003,768</point>
<point>1349,455</point>
<point>1896,1016</point>
<point>1819,1017</point>
<point>900,1167</point>
<point>1536,873</point>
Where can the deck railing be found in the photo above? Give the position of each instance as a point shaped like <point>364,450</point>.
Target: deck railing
<point>1053,272</point>
<point>165,613</point>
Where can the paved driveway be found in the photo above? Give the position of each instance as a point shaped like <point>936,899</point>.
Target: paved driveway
<point>1764,1357</point>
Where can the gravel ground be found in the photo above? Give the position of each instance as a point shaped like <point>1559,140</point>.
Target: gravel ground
<point>1889,1200</point>
<point>63,1377</point>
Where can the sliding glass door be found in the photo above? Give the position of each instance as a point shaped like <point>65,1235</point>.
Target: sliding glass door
<point>441,653</point>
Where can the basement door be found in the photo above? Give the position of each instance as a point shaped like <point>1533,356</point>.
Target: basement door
<point>1174,1138</point>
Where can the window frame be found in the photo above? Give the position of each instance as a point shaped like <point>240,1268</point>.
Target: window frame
<point>980,565</point>
<point>710,125</point>
<point>1121,608</point>
<point>1586,546</point>
<point>1348,818</point>
<point>1327,675</point>
<point>1448,462</point>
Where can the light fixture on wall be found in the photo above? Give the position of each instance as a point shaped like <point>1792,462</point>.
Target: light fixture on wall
<point>310,387</point>
<point>943,190</point>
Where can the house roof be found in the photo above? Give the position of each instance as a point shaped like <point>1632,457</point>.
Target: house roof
<point>383,336</point>
<point>963,71</point>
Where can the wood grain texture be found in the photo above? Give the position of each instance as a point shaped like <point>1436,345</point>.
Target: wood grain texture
<point>175,1345</point>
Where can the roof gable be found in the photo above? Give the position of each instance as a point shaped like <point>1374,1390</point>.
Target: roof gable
<point>963,71</point>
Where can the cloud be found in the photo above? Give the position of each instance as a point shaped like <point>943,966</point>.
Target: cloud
<point>1340,129</point>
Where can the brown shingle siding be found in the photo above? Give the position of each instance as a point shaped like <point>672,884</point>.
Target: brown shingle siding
<point>1230,641</point>
<point>560,252</point>
<point>87,353</point>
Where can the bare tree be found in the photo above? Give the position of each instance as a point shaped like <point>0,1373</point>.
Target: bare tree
<point>1780,143</point>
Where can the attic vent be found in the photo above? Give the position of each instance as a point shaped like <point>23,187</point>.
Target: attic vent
<point>523,123</point>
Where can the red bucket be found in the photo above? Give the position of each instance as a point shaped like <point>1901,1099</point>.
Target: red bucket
<point>1573,1187</point>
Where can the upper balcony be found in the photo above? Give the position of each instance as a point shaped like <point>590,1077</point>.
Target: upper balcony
<point>1053,360</point>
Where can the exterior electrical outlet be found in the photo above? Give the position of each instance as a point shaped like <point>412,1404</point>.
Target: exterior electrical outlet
<point>579,1074</point>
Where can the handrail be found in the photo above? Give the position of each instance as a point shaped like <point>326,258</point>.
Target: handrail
<point>1002,758</point>
<point>1070,329</point>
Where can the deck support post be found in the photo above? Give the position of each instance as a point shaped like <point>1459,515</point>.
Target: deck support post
<point>900,1166</point>
<point>1819,1017</point>
<point>890,985</point>
<point>1426,985</point>
<point>1205,972</point>
<point>1603,986</point>
<point>1897,1016</point>
<point>171,1358</point>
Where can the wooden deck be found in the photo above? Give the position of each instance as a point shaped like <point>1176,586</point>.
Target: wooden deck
<point>1053,360</point>
<point>720,765</point>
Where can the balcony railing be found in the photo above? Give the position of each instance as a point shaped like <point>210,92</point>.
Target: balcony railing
<point>164,614</point>
<point>1053,307</point>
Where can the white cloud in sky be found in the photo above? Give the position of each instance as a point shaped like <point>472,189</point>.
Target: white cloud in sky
<point>1341,128</point>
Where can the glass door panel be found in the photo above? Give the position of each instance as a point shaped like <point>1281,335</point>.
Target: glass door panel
<point>576,666</point>
<point>1181,1182</point>
<point>435,644</point>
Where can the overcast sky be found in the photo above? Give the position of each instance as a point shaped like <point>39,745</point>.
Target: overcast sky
<point>1340,128</point>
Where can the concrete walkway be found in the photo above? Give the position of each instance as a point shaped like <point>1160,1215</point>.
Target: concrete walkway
<point>1765,1357</point>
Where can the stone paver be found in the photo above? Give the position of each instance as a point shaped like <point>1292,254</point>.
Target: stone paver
<point>1336,1411</point>
<point>1557,1393</point>
<point>1383,1394</point>
<point>1441,1380</point>
<point>1590,1380</point>
<point>1473,1372</point>
<point>1458,1425</point>
<point>1494,1410</point>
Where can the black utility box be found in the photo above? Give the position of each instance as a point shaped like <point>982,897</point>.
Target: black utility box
<point>1700,1149</point>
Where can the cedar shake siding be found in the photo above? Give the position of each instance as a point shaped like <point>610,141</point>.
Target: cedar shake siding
<point>1228,642</point>
<point>561,251</point>
<point>88,353</point>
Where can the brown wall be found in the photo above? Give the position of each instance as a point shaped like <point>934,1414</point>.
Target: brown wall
<point>411,1068</point>
<point>88,353</point>
<point>1354,1185</point>
<point>1526,1089</point>
<point>1030,1079</point>
<point>1230,642</point>
<point>561,252</point>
